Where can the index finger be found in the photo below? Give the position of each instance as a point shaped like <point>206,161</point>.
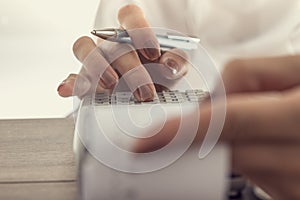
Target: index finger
<point>132,18</point>
<point>262,74</point>
<point>253,116</point>
<point>250,119</point>
<point>95,68</point>
<point>258,118</point>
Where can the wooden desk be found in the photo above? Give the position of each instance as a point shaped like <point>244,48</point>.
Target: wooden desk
<point>36,160</point>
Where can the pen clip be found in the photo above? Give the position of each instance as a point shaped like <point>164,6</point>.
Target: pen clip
<point>183,38</point>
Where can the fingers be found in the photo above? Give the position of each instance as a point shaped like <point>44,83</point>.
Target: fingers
<point>169,69</point>
<point>125,60</point>
<point>263,118</point>
<point>175,64</point>
<point>66,88</point>
<point>132,18</point>
<point>259,118</point>
<point>250,119</point>
<point>267,117</point>
<point>262,74</point>
<point>95,65</point>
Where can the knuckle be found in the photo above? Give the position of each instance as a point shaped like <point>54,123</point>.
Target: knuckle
<point>72,76</point>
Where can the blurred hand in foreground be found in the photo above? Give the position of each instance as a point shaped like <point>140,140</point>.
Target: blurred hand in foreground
<point>262,123</point>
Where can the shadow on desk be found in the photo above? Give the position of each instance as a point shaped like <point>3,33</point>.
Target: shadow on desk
<point>36,159</point>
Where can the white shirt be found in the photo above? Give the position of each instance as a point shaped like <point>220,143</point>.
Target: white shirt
<point>227,28</point>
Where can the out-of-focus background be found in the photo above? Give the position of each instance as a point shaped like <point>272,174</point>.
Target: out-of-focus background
<point>36,38</point>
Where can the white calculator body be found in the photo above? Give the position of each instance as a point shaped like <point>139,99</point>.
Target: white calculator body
<point>186,178</point>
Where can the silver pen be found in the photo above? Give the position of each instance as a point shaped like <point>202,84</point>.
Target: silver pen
<point>166,41</point>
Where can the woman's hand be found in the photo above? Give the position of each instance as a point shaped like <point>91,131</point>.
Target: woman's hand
<point>109,61</point>
<point>262,123</point>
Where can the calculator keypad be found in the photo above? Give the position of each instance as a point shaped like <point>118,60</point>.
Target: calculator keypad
<point>165,97</point>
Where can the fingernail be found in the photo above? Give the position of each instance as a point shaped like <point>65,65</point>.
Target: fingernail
<point>173,69</point>
<point>146,93</point>
<point>109,79</point>
<point>60,86</point>
<point>136,94</point>
<point>172,65</point>
<point>151,50</point>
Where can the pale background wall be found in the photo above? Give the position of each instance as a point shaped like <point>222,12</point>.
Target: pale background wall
<point>36,38</point>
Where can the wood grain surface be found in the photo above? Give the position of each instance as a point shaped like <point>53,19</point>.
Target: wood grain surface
<point>36,159</point>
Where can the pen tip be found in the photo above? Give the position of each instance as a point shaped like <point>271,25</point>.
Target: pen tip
<point>93,32</point>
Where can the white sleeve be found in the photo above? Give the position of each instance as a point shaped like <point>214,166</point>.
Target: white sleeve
<point>159,13</point>
<point>106,15</point>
